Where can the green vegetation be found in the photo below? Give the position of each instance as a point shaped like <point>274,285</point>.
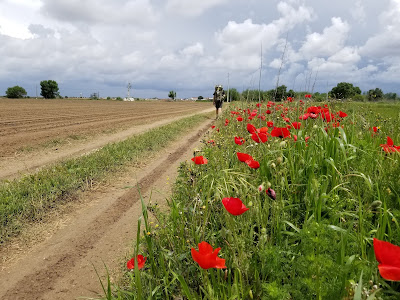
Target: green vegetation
<point>29,198</point>
<point>15,92</point>
<point>335,192</point>
<point>172,95</point>
<point>49,89</point>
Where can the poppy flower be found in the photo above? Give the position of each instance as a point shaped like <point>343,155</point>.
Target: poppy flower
<point>281,132</point>
<point>261,137</point>
<point>271,193</point>
<point>389,146</point>
<point>234,206</point>
<point>314,109</point>
<point>140,260</point>
<point>239,119</point>
<point>252,163</point>
<point>258,104</point>
<point>388,256</point>
<point>213,126</point>
<point>200,160</point>
<point>262,130</point>
<point>251,128</point>
<point>342,114</point>
<point>207,257</point>
<point>268,111</point>
<point>239,140</point>
<point>243,156</point>
<point>375,129</point>
<point>296,125</point>
<point>270,124</point>
<point>304,117</point>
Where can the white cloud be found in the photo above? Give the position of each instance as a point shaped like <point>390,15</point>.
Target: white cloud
<point>386,43</point>
<point>193,50</point>
<point>133,12</point>
<point>327,43</point>
<point>192,8</point>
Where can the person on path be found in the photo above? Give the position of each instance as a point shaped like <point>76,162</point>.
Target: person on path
<point>219,98</point>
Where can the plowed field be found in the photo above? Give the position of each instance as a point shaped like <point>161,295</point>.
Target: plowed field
<point>30,122</point>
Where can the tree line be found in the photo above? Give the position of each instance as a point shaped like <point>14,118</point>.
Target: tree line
<point>343,90</point>
<point>48,89</point>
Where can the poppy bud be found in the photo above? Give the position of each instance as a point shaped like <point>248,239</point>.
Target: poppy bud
<point>279,160</point>
<point>271,193</point>
<point>268,184</point>
<point>261,188</point>
<point>376,204</point>
<point>282,144</point>
<point>273,166</point>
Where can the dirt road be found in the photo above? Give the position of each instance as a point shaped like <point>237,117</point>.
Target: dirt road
<point>100,230</point>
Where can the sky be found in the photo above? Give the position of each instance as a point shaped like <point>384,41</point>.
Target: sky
<point>188,46</point>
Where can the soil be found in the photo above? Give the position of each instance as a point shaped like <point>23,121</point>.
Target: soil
<point>43,125</point>
<point>59,258</point>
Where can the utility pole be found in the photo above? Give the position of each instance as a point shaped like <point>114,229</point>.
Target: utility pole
<point>129,89</point>
<point>36,91</point>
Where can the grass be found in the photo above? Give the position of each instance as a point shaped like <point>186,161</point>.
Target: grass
<point>28,199</point>
<point>335,193</point>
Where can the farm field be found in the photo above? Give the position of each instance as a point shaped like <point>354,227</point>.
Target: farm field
<point>286,200</point>
<point>30,122</point>
<point>34,133</point>
<point>82,211</point>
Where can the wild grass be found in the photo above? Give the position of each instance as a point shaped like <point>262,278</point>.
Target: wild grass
<point>335,193</point>
<point>28,199</point>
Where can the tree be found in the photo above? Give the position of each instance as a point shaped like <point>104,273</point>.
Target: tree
<point>200,98</point>
<point>233,95</point>
<point>391,96</point>
<point>344,90</point>
<point>280,93</point>
<point>49,89</point>
<point>15,92</point>
<point>172,95</point>
<point>374,95</point>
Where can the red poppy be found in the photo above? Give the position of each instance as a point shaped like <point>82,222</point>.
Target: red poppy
<point>140,260</point>
<point>270,124</point>
<point>261,137</point>
<point>262,130</point>
<point>258,104</point>
<point>207,258</point>
<point>268,112</point>
<point>239,140</point>
<point>389,146</point>
<point>388,256</point>
<point>252,163</point>
<point>226,122</point>
<point>296,125</point>
<point>375,129</point>
<point>281,132</point>
<point>251,128</point>
<point>314,109</point>
<point>304,117</point>
<point>240,119</point>
<point>200,160</point>
<point>213,126</point>
<point>234,206</point>
<point>342,114</point>
<point>243,156</point>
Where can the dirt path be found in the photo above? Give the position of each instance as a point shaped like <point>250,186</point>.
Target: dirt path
<point>12,167</point>
<point>98,232</point>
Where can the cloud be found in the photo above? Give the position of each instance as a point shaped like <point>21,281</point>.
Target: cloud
<point>386,43</point>
<point>133,12</point>
<point>327,43</point>
<point>193,50</point>
<point>192,8</point>
<point>240,43</point>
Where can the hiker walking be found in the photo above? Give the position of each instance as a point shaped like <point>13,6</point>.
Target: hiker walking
<point>219,97</point>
